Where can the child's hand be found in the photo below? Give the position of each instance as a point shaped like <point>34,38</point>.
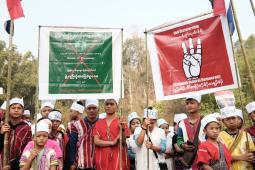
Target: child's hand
<point>148,144</point>
<point>5,128</point>
<point>248,157</point>
<point>115,141</point>
<point>33,154</point>
<point>7,167</point>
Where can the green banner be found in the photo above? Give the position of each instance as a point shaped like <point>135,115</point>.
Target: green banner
<point>80,62</point>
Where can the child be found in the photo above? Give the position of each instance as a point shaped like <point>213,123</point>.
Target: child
<point>162,123</point>
<point>211,153</point>
<point>177,150</point>
<point>133,122</point>
<point>250,107</point>
<point>236,141</point>
<point>19,133</point>
<point>56,118</point>
<point>45,157</point>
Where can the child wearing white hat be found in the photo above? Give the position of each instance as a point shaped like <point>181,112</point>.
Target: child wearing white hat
<point>133,122</point>
<point>236,140</point>
<point>163,124</point>
<point>46,108</point>
<point>56,118</point>
<point>45,156</point>
<point>250,107</point>
<point>27,117</point>
<point>208,156</point>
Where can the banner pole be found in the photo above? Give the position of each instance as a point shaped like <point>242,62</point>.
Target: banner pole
<point>243,48</point>
<point>147,95</point>
<point>121,104</point>
<point>252,6</point>
<point>8,96</point>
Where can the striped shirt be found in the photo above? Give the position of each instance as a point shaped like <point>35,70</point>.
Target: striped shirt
<point>19,136</point>
<point>82,144</point>
<point>47,160</point>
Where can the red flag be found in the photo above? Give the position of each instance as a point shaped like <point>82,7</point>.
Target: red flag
<point>15,9</point>
<point>219,7</point>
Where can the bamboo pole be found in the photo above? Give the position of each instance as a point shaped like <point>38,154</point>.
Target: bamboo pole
<point>251,78</point>
<point>147,96</point>
<point>252,6</point>
<point>121,104</point>
<point>8,96</point>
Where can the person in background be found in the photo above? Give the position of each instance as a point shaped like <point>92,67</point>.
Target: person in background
<point>27,117</point>
<point>46,108</point>
<point>75,114</point>
<point>133,122</point>
<point>178,151</point>
<point>162,123</point>
<point>212,154</point>
<point>250,107</point>
<point>55,117</point>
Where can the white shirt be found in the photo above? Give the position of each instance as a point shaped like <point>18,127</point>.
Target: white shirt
<point>157,137</point>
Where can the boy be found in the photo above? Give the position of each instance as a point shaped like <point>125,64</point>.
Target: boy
<point>19,132</point>
<point>236,141</point>
<point>189,128</point>
<point>56,118</point>
<point>133,122</point>
<point>162,124</point>
<point>211,153</point>
<point>45,157</point>
<point>250,107</point>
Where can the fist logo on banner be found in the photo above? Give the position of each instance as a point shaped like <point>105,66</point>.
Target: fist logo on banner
<point>192,60</point>
<point>192,57</point>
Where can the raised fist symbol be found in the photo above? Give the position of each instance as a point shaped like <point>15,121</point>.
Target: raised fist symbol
<point>192,61</point>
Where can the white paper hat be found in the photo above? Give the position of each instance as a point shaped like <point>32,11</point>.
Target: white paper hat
<point>26,113</point>
<point>217,115</point>
<point>47,104</point>
<point>77,107</point>
<point>55,115</point>
<point>102,115</point>
<point>116,100</point>
<point>41,127</point>
<point>3,106</point>
<point>208,119</point>
<point>197,98</point>
<point>132,116</point>
<point>152,113</point>
<point>179,117</point>
<point>47,121</point>
<point>250,107</point>
<point>228,112</point>
<point>17,101</point>
<point>239,113</point>
<point>93,102</point>
<point>161,122</point>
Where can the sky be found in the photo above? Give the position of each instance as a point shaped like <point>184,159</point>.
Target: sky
<point>134,16</point>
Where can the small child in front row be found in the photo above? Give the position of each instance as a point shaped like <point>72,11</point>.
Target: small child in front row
<point>45,157</point>
<point>212,155</point>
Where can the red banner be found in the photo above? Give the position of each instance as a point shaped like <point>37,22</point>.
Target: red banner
<point>194,56</point>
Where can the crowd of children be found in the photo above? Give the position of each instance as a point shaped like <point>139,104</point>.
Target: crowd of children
<point>216,141</point>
